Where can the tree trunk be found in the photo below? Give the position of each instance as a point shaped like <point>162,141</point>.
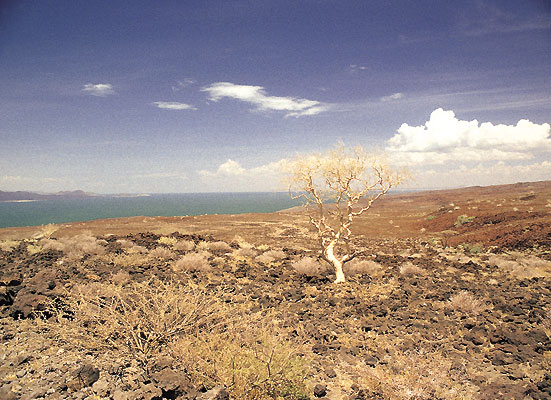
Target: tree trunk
<point>330,256</point>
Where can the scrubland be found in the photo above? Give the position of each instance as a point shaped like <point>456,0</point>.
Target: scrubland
<point>244,308</point>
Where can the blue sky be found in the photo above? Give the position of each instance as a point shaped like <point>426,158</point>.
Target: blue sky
<point>196,96</point>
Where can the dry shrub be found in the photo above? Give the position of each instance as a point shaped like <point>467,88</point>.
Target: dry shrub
<point>125,244</point>
<point>249,354</point>
<point>120,278</point>
<point>414,375</point>
<point>408,268</point>
<point>522,267</point>
<point>219,248</point>
<point>184,245</point>
<point>307,266</point>
<point>8,245</point>
<point>137,249</point>
<point>161,253</point>
<point>361,267</point>
<point>127,260</point>
<point>167,240</point>
<point>138,319</point>
<point>245,252</point>
<point>271,256</point>
<point>466,303</point>
<point>242,243</point>
<point>45,231</point>
<point>75,247</point>
<point>51,244</point>
<point>198,261</point>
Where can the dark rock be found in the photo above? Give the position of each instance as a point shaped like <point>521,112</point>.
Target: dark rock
<point>26,304</point>
<point>84,376</point>
<point>330,372</point>
<point>371,361</point>
<point>320,390</point>
<point>7,295</point>
<point>319,348</point>
<point>500,358</point>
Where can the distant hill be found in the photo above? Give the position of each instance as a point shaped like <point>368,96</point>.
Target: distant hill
<point>32,196</point>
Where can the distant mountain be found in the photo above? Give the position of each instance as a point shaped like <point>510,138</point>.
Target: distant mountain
<point>32,196</point>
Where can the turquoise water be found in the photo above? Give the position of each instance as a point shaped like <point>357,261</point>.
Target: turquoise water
<point>71,210</point>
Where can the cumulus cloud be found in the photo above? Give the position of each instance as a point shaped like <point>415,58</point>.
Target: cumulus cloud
<point>447,138</point>
<point>394,96</point>
<point>257,96</point>
<point>98,89</point>
<point>173,105</point>
<point>232,168</point>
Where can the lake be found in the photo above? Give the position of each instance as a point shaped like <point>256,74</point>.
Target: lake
<point>43,212</point>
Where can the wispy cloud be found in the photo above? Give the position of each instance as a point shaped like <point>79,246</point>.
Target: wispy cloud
<point>98,89</point>
<point>161,175</point>
<point>183,84</point>
<point>446,138</point>
<point>490,18</point>
<point>172,105</point>
<point>256,95</point>
<point>394,96</point>
<point>495,173</point>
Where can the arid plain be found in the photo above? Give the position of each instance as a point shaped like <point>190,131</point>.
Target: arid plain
<point>450,298</point>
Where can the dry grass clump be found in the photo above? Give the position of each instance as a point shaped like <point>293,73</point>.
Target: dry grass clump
<point>414,375</point>
<point>167,240</point>
<point>308,266</point>
<point>138,319</point>
<point>184,245</point>
<point>408,268</point>
<point>270,256</point>
<point>124,243</point>
<point>362,267</point>
<point>242,243</point>
<point>191,262</point>
<point>75,247</point>
<point>251,355</point>
<point>521,266</point>
<point>466,303</point>
<point>127,260</point>
<point>245,252</point>
<point>161,253</point>
<point>219,248</point>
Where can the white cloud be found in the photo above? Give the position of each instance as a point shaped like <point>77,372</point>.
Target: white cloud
<point>257,96</point>
<point>173,105</point>
<point>232,176</point>
<point>10,179</point>
<point>394,96</point>
<point>445,138</point>
<point>235,169</point>
<point>99,89</point>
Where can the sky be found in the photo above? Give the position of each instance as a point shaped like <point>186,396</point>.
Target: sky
<point>205,96</point>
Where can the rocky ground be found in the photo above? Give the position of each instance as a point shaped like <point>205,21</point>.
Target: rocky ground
<point>450,299</point>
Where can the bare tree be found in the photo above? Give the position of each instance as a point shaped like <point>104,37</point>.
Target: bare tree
<point>332,186</point>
